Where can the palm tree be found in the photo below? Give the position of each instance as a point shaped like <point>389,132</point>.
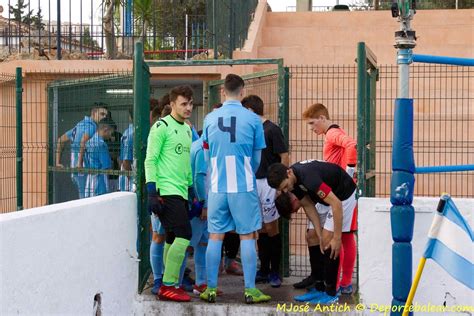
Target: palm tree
<point>143,11</point>
<point>108,27</point>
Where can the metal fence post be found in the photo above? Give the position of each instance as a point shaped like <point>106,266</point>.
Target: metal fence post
<point>141,95</point>
<point>361,101</point>
<point>283,121</point>
<point>58,32</point>
<point>19,139</point>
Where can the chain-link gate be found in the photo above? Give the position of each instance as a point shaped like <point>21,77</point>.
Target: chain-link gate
<point>273,85</point>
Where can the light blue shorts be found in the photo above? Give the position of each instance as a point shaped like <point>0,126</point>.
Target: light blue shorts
<point>156,225</point>
<point>234,211</point>
<point>79,179</point>
<point>200,233</point>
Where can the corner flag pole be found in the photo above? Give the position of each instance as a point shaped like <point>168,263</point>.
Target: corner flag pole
<point>421,264</point>
<point>414,286</point>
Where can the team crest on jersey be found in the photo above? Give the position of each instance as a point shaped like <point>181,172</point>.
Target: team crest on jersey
<point>179,149</point>
<point>321,194</point>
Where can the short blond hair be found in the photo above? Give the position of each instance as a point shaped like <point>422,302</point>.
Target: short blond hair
<point>316,110</point>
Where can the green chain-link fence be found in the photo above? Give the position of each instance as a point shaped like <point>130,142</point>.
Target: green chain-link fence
<point>8,201</point>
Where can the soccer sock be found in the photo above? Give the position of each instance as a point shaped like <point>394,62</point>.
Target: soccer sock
<point>275,253</point>
<point>339,269</point>
<point>174,260</point>
<point>213,258</point>
<point>183,267</point>
<point>331,267</point>
<point>156,259</point>
<point>231,245</point>
<point>200,263</point>
<point>248,254</point>
<point>350,254</point>
<point>264,252</point>
<point>165,252</point>
<point>316,259</point>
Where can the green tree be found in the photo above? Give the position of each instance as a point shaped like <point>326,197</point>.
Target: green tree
<point>87,38</point>
<point>37,21</point>
<point>18,12</point>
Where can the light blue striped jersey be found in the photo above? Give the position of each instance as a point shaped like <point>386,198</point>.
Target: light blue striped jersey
<point>86,126</point>
<point>195,135</point>
<point>199,169</point>
<point>126,153</point>
<point>126,144</point>
<point>97,156</point>
<point>231,134</point>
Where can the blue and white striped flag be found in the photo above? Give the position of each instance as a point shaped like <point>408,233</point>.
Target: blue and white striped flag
<point>451,244</point>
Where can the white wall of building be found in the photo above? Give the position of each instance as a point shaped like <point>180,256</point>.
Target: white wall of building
<point>55,259</point>
<point>375,254</point>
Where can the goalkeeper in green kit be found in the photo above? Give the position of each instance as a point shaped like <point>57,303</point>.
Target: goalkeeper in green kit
<point>168,177</point>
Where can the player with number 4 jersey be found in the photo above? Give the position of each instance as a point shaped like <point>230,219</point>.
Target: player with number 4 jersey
<point>233,139</point>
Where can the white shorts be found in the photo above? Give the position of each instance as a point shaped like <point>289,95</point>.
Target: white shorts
<point>266,194</point>
<point>325,212</point>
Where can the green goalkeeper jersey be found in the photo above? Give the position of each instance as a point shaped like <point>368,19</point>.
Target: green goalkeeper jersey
<point>167,160</point>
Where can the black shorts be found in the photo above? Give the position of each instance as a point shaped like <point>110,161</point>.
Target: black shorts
<point>175,212</point>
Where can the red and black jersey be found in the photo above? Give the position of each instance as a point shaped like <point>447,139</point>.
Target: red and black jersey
<point>318,178</point>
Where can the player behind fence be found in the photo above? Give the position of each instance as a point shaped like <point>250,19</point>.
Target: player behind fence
<point>126,156</point>
<point>78,136</point>
<point>233,139</point>
<point>269,240</point>
<point>333,190</point>
<point>97,156</point>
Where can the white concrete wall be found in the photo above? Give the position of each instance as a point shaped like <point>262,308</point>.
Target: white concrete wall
<point>375,254</point>
<point>54,259</point>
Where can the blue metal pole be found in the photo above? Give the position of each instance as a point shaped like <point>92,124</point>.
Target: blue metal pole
<point>443,60</point>
<point>402,213</point>
<point>437,169</point>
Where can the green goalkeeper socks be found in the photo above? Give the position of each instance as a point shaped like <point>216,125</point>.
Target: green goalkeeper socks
<point>165,252</point>
<point>174,259</point>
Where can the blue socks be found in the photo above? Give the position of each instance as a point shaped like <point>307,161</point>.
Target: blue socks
<point>156,259</point>
<point>213,259</point>
<point>200,263</point>
<point>248,254</point>
<point>183,267</point>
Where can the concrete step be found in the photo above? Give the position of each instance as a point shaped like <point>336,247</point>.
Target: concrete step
<point>232,301</point>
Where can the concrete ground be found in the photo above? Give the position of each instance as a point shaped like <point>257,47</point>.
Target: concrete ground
<point>232,301</point>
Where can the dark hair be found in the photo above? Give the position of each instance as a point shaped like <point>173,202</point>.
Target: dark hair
<point>153,103</point>
<point>107,122</point>
<point>166,110</point>
<point>277,172</point>
<point>164,100</point>
<point>283,205</point>
<point>253,102</point>
<point>233,84</point>
<point>216,106</point>
<point>156,114</point>
<point>99,105</point>
<point>199,132</point>
<point>184,91</point>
